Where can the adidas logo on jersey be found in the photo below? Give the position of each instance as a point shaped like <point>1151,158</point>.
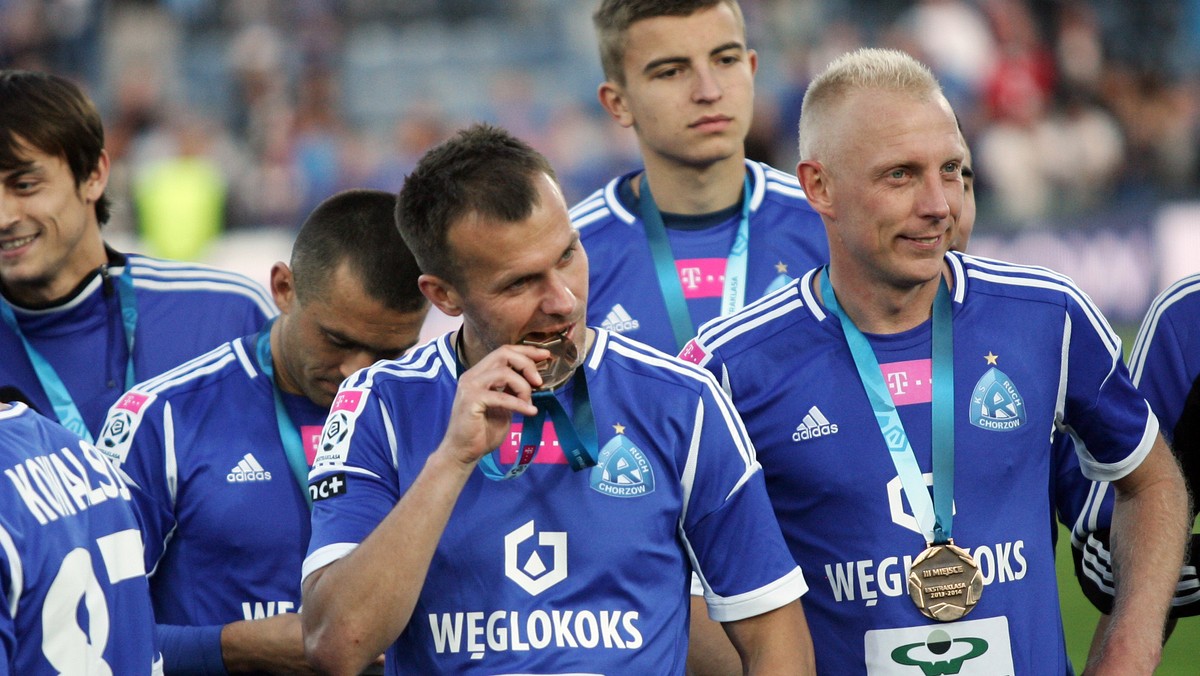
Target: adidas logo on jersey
<point>618,320</point>
<point>815,425</point>
<point>247,470</point>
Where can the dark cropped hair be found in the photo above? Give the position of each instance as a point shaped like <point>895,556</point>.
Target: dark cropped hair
<point>482,170</point>
<point>51,114</point>
<point>357,227</point>
<point>614,17</point>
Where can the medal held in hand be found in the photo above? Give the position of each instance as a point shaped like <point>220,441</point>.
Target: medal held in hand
<point>944,582</point>
<point>564,359</point>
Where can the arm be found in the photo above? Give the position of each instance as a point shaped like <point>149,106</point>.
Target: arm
<point>776,642</point>
<point>273,644</point>
<point>709,651</point>
<point>355,607</point>
<point>1151,520</point>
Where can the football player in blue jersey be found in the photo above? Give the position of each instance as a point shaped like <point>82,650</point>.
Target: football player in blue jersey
<point>950,373</point>
<point>1164,367</point>
<point>718,230</point>
<point>222,444</point>
<point>82,322</point>
<point>437,538</point>
<point>73,592</point>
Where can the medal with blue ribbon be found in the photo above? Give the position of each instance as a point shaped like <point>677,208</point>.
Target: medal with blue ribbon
<point>577,440</point>
<point>944,581</point>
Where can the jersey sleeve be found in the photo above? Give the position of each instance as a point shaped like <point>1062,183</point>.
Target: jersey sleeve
<point>1110,422</point>
<point>137,438</point>
<point>728,514</point>
<point>353,481</point>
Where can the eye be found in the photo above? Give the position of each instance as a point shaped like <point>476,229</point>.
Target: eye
<point>898,173</point>
<point>668,73</point>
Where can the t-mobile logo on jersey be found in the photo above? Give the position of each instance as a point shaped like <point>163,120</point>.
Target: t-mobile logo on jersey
<point>528,568</point>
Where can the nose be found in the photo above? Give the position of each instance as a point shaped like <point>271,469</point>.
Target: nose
<point>936,198</point>
<point>558,298</point>
<point>707,87</point>
<point>8,210</point>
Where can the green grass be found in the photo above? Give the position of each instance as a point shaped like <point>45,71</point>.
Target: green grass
<point>1079,621</point>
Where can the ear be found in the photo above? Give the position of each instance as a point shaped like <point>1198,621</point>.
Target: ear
<point>612,99</point>
<point>814,179</point>
<point>94,185</point>
<point>752,56</point>
<point>442,294</point>
<point>283,286</point>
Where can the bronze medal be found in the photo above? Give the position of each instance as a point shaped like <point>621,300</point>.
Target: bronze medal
<point>944,582</point>
<point>564,358</point>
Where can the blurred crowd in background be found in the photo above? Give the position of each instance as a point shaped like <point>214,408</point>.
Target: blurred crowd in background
<point>224,115</point>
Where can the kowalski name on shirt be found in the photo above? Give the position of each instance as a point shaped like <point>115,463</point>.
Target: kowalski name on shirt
<point>58,485</point>
<point>478,633</point>
<point>866,580</point>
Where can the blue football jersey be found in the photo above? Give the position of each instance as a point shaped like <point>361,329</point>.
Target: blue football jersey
<point>1165,366</point>
<point>184,309</point>
<point>73,592</point>
<point>220,504</point>
<point>786,238</point>
<point>558,571</point>
<point>1032,356</point>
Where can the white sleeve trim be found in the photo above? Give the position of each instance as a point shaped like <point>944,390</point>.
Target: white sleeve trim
<point>758,601</point>
<point>325,556</point>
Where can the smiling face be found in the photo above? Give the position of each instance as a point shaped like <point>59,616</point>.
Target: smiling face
<point>689,87</point>
<point>523,281</point>
<point>889,187</point>
<point>49,236</point>
<point>320,341</point>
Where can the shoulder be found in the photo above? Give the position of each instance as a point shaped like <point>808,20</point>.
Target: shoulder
<point>646,371</point>
<point>175,277</point>
<point>425,365</point>
<point>600,209</point>
<point>1179,299</point>
<point>775,189</point>
<point>779,311</point>
<point>1172,312</point>
<point>1028,282</point>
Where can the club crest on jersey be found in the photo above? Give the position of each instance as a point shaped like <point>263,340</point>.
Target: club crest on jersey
<point>622,470</point>
<point>996,404</point>
<point>123,420</point>
<point>335,438</point>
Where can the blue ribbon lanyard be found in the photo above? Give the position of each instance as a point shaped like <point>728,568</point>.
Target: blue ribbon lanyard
<point>577,440</point>
<point>293,446</point>
<point>734,292</point>
<point>56,390</point>
<point>936,517</point>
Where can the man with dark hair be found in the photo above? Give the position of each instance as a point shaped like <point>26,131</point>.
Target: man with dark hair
<point>59,554</point>
<point>719,230</point>
<point>222,444</point>
<point>82,322</point>
<point>571,557</point>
